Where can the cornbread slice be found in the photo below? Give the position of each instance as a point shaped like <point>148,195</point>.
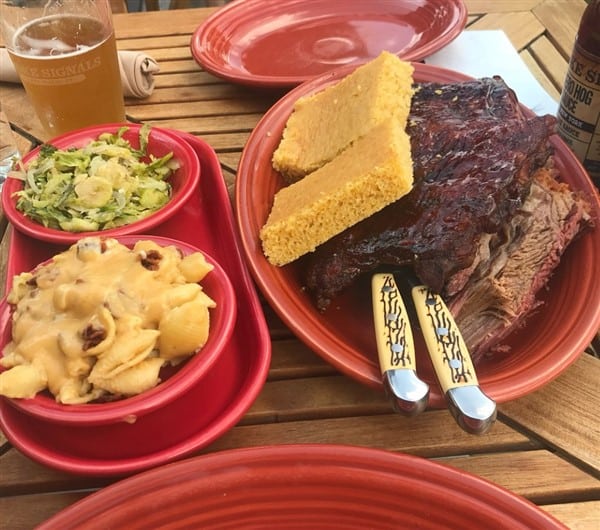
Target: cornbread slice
<point>323,124</point>
<point>373,172</point>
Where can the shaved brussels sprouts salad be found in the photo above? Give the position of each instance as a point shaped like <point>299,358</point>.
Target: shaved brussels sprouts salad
<point>105,184</point>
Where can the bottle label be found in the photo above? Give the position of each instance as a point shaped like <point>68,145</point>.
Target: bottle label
<point>579,109</point>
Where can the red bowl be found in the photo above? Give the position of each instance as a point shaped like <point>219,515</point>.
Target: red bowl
<point>176,382</point>
<point>161,142</point>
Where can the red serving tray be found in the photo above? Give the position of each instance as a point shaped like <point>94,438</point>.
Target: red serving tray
<point>206,221</point>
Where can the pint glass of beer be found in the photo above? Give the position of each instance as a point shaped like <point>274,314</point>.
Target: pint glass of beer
<point>66,56</point>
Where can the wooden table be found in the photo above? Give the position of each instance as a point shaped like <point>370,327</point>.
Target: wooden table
<point>545,446</point>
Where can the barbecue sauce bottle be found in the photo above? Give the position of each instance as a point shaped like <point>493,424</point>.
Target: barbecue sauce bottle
<point>579,109</point>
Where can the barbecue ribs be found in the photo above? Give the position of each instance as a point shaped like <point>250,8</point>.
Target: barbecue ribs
<point>483,176</point>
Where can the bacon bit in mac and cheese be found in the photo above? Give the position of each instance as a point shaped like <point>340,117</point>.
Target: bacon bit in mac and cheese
<point>99,320</point>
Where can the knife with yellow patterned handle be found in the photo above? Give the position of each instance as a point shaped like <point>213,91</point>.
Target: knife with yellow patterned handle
<point>395,347</point>
<point>473,410</point>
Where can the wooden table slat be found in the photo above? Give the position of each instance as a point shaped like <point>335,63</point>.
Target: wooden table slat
<point>35,509</point>
<point>565,412</point>
<point>540,476</point>
<point>540,75</point>
<point>292,358</point>
<point>315,398</point>
<point>577,516</point>
<point>177,79</point>
<point>152,44</point>
<point>552,62</point>
<point>561,20</point>
<point>434,434</point>
<point>209,92</point>
<point>173,23</point>
<point>521,28</point>
<point>187,109</point>
<point>229,161</point>
<point>499,6</point>
<point>179,65</point>
<point>162,55</point>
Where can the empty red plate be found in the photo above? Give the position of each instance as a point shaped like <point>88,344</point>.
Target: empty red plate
<point>300,487</point>
<point>271,43</point>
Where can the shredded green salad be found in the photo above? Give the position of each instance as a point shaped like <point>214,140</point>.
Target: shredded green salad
<point>105,184</point>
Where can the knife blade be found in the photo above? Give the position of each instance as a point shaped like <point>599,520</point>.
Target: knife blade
<point>472,409</point>
<point>395,347</point>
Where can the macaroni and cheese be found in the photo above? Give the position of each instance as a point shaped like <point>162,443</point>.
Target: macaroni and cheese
<point>100,320</point>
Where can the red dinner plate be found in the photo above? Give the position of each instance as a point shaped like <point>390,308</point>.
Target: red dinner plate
<point>281,43</point>
<point>343,335</point>
<point>304,486</point>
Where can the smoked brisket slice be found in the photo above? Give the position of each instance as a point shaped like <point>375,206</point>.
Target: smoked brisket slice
<point>512,268</point>
<point>476,156</point>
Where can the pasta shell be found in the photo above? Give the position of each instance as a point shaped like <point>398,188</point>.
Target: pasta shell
<point>181,294</point>
<point>79,366</point>
<point>70,344</point>
<point>165,300</point>
<point>127,350</point>
<point>138,378</point>
<point>194,267</point>
<point>183,330</point>
<point>11,357</point>
<point>76,390</point>
<point>103,320</point>
<point>88,248</point>
<point>23,381</point>
<point>206,300</point>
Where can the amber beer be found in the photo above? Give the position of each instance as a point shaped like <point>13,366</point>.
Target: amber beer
<point>69,67</point>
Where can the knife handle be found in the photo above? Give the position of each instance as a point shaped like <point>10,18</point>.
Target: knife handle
<point>395,344</point>
<point>448,351</point>
<point>395,348</point>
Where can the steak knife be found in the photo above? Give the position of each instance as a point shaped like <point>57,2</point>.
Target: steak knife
<point>473,410</point>
<point>395,347</point>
